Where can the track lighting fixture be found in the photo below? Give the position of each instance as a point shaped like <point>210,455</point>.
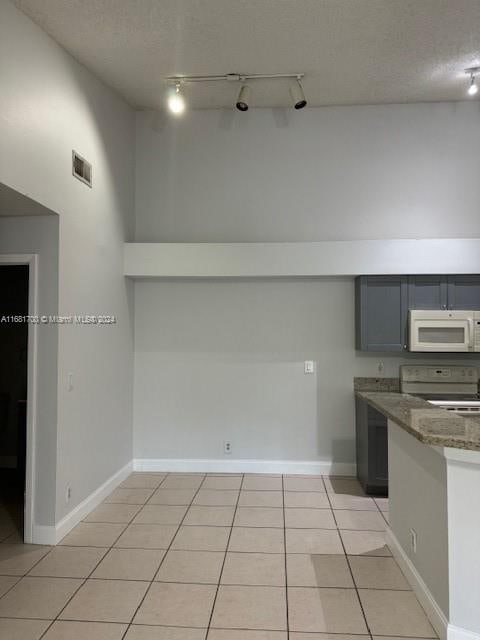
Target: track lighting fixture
<point>175,101</point>
<point>243,98</point>
<point>298,97</point>
<point>472,72</point>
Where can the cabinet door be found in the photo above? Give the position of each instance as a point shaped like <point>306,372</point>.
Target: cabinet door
<point>381,313</point>
<point>372,448</point>
<point>427,292</point>
<point>464,292</point>
<point>378,455</point>
<point>361,429</point>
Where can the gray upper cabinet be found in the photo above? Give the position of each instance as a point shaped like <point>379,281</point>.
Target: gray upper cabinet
<point>427,292</point>
<point>382,303</point>
<point>464,292</point>
<point>381,313</point>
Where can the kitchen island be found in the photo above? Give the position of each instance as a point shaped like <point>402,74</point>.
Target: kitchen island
<point>434,495</point>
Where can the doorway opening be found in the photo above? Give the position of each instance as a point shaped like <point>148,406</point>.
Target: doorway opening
<point>14,350</point>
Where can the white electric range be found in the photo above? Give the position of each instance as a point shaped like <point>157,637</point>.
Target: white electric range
<point>453,388</point>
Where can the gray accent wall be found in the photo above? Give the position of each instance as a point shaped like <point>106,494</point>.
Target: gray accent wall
<point>330,173</point>
<point>224,360</point>
<point>418,500</point>
<point>50,105</point>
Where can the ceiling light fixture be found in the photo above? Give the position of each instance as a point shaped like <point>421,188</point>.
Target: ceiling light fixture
<point>298,97</point>
<point>472,72</point>
<point>175,101</point>
<point>243,98</point>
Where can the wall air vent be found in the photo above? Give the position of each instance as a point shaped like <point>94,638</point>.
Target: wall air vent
<point>81,169</point>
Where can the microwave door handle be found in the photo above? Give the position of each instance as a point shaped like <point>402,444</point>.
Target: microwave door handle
<point>471,334</point>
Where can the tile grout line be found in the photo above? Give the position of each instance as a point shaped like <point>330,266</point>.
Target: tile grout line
<point>13,585</point>
<point>268,553</point>
<point>210,584</point>
<point>84,580</point>
<point>312,633</point>
<point>20,578</point>
<point>224,560</point>
<point>152,581</point>
<point>285,557</point>
<point>349,566</point>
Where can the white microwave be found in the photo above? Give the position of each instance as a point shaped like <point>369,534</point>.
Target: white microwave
<point>454,331</point>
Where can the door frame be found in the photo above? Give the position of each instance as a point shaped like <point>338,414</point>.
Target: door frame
<point>30,259</point>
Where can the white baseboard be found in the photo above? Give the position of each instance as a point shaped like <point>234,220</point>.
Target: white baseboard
<point>53,535</point>
<point>435,614</point>
<point>306,467</point>
<point>43,534</point>
<point>457,633</point>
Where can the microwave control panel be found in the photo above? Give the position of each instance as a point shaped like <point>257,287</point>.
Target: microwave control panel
<point>476,331</point>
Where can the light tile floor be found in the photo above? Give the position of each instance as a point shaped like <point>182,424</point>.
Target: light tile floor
<point>214,557</point>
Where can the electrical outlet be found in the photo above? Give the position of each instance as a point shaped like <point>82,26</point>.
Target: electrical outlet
<point>227,447</point>
<point>413,540</point>
<point>68,493</point>
<point>380,366</point>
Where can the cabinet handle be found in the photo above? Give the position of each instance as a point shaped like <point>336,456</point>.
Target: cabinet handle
<point>444,306</point>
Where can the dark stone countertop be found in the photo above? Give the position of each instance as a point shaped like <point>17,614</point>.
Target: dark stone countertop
<point>425,422</point>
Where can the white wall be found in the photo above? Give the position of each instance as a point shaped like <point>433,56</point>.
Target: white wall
<point>51,105</point>
<point>39,235</point>
<point>396,171</point>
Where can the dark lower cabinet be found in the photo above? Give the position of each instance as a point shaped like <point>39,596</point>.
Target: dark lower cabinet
<point>372,448</point>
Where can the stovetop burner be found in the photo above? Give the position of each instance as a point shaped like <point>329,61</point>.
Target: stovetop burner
<point>463,408</point>
<point>454,397</point>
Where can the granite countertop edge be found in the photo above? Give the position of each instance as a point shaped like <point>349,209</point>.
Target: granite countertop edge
<point>383,401</point>
<point>376,384</point>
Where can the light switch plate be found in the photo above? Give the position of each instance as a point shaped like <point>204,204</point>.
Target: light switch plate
<point>309,366</point>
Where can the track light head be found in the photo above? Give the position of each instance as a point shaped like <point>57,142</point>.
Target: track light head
<point>298,97</point>
<point>175,100</point>
<point>472,89</point>
<point>243,98</point>
<point>472,72</point>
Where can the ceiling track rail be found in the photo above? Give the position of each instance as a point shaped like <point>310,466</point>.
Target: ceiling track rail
<point>233,77</point>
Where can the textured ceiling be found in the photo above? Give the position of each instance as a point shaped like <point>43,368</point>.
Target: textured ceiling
<point>352,51</point>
